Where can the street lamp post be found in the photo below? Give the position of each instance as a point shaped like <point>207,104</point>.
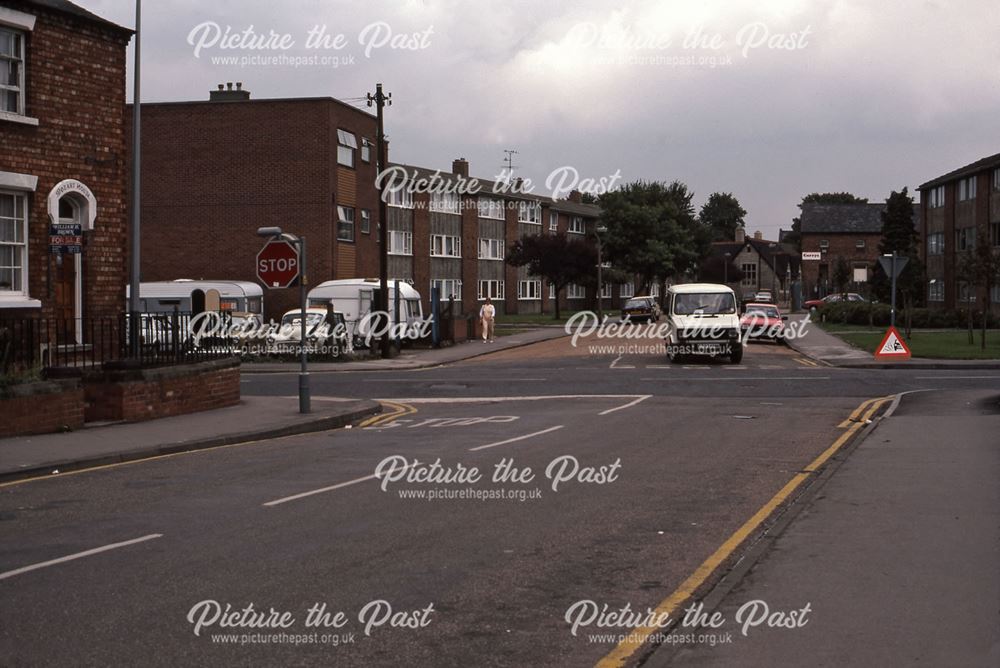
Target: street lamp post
<point>598,231</point>
<point>300,244</point>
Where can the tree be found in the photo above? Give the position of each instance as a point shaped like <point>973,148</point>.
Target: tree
<point>714,270</point>
<point>723,214</point>
<point>652,230</point>
<point>556,258</point>
<point>841,274</point>
<point>981,268</point>
<point>795,236</point>
<point>899,234</point>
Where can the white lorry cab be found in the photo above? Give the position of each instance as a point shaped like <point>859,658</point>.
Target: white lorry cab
<point>356,299</point>
<point>703,319</point>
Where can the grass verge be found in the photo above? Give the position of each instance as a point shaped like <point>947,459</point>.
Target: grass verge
<point>932,343</point>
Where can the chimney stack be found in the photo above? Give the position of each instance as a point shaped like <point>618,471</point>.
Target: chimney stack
<point>460,167</point>
<point>226,93</point>
<point>741,235</point>
<point>576,196</point>
<point>758,236</point>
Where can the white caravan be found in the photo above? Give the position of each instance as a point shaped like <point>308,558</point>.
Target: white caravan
<point>356,299</point>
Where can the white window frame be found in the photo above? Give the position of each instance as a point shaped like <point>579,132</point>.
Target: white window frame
<point>626,290</point>
<point>21,37</point>
<point>576,291</point>
<point>447,202</point>
<point>935,243</point>
<point>553,222</point>
<point>935,290</point>
<point>400,242</point>
<point>606,292</point>
<point>577,226</point>
<point>965,239</point>
<point>824,244</point>
<point>366,221</point>
<point>552,291</point>
<point>529,212</point>
<point>491,249</point>
<point>447,286</point>
<point>490,207</point>
<point>996,180</point>
<point>935,198</point>
<point>654,289</point>
<point>967,189</point>
<point>530,290</point>
<point>445,245</point>
<point>749,270</point>
<point>21,247</point>
<point>366,149</point>
<point>400,197</point>
<point>345,216</point>
<point>860,244</point>
<point>494,289</point>
<point>347,145</point>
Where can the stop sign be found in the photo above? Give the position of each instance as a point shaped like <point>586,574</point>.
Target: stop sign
<point>278,264</point>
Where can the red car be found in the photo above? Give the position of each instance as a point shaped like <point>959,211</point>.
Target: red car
<point>763,321</point>
<point>814,304</point>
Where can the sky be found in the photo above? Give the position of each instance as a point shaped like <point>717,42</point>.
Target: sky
<point>769,100</point>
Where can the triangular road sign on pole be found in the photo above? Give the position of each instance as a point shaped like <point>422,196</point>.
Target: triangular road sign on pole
<point>892,346</point>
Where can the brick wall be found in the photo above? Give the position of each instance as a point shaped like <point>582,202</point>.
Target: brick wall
<point>63,408</point>
<point>841,245</point>
<point>75,87</point>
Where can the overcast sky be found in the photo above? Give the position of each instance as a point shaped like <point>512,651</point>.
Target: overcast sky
<point>863,96</point>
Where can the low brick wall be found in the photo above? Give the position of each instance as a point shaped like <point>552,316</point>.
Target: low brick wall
<point>145,394</point>
<point>42,407</point>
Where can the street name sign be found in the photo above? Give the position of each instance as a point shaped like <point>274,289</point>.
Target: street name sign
<point>892,346</point>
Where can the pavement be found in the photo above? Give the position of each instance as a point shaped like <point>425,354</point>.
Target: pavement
<point>896,554</point>
<point>419,358</point>
<point>826,348</point>
<point>255,418</point>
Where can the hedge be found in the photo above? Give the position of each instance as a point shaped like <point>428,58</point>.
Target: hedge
<point>861,313</point>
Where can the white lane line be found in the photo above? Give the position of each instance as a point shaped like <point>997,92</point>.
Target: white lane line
<point>954,377</point>
<point>321,490</point>
<point>614,364</point>
<point>515,439</point>
<point>78,555</point>
<point>628,405</point>
<point>686,379</point>
<point>659,366</point>
<point>488,400</point>
<point>444,380</point>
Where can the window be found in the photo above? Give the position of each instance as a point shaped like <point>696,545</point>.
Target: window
<point>966,292</point>
<point>935,290</point>
<point>552,291</point>
<point>11,71</point>
<point>400,243</point>
<point>654,290</point>
<point>491,208</point>
<point>860,244</point>
<point>553,222</point>
<point>491,249</point>
<point>345,223</point>
<point>995,234</point>
<point>574,291</point>
<point>967,189</point>
<point>824,244</point>
<point>347,144</point>
<point>446,246</point>
<point>995,294</point>
<point>446,202</point>
<point>605,291</point>
<point>965,238</point>
<point>13,245</point>
<point>448,288</point>
<point>366,149</point>
<point>627,290</point>
<point>935,243</point>
<point>491,289</point>
<point>935,198</point>
<point>529,212</point>
<point>749,270</point>
<point>576,225</point>
<point>860,273</point>
<point>996,179</point>
<point>366,221</point>
<point>529,290</point>
<point>400,197</point>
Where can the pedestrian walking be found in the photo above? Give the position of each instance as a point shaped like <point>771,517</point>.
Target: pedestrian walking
<point>487,316</point>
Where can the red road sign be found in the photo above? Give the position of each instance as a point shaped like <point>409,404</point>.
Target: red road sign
<point>278,264</point>
<point>893,346</point>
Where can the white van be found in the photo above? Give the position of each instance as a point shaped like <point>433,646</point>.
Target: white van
<point>356,299</point>
<point>703,319</point>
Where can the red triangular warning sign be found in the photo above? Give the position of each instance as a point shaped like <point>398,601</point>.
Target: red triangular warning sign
<point>893,346</point>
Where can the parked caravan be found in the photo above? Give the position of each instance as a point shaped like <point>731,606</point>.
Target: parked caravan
<point>356,299</point>
<point>241,300</point>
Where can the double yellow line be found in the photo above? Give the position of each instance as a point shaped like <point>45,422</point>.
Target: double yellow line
<point>805,361</point>
<point>638,636</point>
<point>399,410</point>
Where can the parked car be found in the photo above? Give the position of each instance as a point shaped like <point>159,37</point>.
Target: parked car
<point>763,321</point>
<point>644,309</point>
<point>320,331</point>
<point>814,304</point>
<point>763,297</point>
<point>702,319</point>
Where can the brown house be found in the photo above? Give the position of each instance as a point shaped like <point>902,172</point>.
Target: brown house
<point>63,163</point>
<point>834,231</point>
<point>959,210</point>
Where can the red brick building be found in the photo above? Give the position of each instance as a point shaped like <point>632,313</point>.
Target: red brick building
<point>959,210</point>
<point>214,171</point>
<point>848,231</point>
<point>62,103</point>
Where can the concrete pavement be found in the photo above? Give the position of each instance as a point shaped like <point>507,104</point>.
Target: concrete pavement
<point>896,555</point>
<point>254,418</point>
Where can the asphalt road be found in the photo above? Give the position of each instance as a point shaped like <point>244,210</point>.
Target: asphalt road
<point>669,462</point>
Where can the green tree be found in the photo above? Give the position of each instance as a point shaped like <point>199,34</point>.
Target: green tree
<point>981,269</point>
<point>714,269</point>
<point>795,236</point>
<point>899,234</point>
<point>653,231</point>
<point>723,214</point>
<point>556,258</point>
<point>841,274</point>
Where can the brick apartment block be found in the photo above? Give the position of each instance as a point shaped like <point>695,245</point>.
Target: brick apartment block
<point>63,157</point>
<point>959,210</point>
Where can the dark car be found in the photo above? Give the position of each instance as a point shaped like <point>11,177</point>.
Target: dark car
<point>641,309</point>
<point>814,304</point>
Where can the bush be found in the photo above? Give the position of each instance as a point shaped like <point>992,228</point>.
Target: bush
<point>857,313</point>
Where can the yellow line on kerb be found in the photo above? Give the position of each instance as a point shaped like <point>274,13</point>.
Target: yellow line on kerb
<point>399,410</point>
<point>638,636</point>
<point>853,417</point>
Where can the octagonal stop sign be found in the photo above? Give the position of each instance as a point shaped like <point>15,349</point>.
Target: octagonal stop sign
<point>278,264</point>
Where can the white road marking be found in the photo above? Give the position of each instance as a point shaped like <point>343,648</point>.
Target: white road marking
<point>515,439</point>
<point>660,366</point>
<point>614,364</point>
<point>78,555</point>
<point>954,377</point>
<point>441,380</point>
<point>486,400</point>
<point>321,490</point>
<point>686,379</point>
<point>628,405</point>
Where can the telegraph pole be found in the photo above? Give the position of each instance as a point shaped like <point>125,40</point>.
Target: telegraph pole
<point>380,100</point>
